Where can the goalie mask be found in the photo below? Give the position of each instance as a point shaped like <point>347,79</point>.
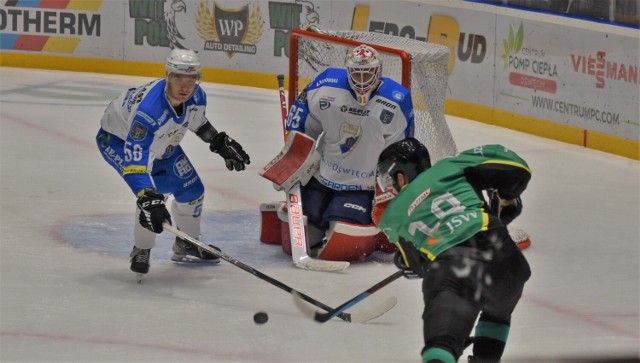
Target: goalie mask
<point>364,67</point>
<point>408,157</point>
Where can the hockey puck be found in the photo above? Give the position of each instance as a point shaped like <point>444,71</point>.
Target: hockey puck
<point>260,317</point>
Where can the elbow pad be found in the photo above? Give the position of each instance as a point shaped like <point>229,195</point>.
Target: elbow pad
<point>207,132</point>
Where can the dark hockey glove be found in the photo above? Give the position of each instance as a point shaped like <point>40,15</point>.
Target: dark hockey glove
<point>410,261</point>
<point>505,209</point>
<point>153,211</point>
<point>231,151</point>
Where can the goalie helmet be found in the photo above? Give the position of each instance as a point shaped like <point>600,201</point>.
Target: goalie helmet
<point>183,61</point>
<point>409,157</point>
<point>364,67</point>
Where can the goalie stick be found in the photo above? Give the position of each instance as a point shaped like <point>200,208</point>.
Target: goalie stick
<point>297,230</point>
<point>359,317</point>
<point>324,317</point>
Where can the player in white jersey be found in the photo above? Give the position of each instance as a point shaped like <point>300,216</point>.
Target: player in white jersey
<point>140,135</point>
<point>353,114</point>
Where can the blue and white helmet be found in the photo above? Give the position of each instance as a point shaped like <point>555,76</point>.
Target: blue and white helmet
<point>183,61</point>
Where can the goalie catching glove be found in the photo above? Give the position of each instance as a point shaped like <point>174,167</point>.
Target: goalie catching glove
<point>153,211</point>
<point>296,163</point>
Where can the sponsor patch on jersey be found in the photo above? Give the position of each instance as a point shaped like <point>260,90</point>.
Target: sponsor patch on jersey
<point>148,118</point>
<point>182,167</point>
<point>386,116</point>
<point>397,95</point>
<point>163,117</point>
<point>355,111</point>
<point>386,103</point>
<point>326,80</point>
<point>325,102</point>
<point>416,202</point>
<point>138,131</point>
<point>134,169</point>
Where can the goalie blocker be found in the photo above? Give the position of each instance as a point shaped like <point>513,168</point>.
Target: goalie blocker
<point>296,163</point>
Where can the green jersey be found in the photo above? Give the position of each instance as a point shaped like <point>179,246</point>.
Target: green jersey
<point>443,206</point>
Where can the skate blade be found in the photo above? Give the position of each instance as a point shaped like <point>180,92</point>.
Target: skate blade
<point>192,259</point>
<point>139,277</point>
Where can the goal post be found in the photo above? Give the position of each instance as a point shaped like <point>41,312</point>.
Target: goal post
<point>419,66</point>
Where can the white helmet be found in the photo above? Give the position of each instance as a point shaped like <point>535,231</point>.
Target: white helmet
<point>183,61</point>
<point>365,69</point>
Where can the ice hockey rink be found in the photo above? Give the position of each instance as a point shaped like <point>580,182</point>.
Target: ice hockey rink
<point>67,294</point>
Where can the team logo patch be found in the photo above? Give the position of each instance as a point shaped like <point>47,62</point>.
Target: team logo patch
<point>138,131</point>
<point>386,116</point>
<point>349,137</point>
<point>398,95</point>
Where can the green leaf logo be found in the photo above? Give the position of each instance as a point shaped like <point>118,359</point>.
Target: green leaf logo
<point>513,44</point>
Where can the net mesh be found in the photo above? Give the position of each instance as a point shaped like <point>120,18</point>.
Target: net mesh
<point>428,83</point>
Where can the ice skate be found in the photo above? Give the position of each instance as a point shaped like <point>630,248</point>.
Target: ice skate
<point>140,262</point>
<point>184,251</point>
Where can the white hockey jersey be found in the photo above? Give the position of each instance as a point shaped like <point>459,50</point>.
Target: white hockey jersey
<point>350,137</point>
<point>150,127</point>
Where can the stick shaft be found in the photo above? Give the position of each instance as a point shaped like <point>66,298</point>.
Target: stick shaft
<point>335,312</point>
<point>283,105</point>
<point>251,270</point>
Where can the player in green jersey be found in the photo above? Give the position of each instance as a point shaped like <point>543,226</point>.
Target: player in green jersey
<point>448,235</point>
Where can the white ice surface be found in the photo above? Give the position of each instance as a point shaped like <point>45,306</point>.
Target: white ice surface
<point>67,293</point>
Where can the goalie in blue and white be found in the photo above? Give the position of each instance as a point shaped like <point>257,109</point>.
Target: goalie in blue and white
<point>140,135</point>
<point>353,114</point>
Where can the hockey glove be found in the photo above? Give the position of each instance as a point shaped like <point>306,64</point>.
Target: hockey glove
<point>505,209</point>
<point>410,261</point>
<point>231,151</point>
<point>153,211</point>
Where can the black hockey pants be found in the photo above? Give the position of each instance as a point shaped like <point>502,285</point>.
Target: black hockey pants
<point>485,274</point>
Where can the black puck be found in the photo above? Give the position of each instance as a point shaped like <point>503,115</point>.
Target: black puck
<point>260,317</point>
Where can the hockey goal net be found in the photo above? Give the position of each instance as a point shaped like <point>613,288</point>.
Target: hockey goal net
<point>419,66</point>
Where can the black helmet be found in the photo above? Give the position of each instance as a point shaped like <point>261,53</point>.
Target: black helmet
<point>408,156</point>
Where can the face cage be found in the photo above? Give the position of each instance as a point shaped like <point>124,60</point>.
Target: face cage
<point>359,86</point>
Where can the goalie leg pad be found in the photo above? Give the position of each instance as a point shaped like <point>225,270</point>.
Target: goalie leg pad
<point>296,163</point>
<point>520,237</point>
<point>349,242</point>
<point>383,245</point>
<point>270,224</point>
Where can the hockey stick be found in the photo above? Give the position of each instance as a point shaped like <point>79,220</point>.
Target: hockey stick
<point>324,317</point>
<point>358,317</point>
<point>297,229</point>
<point>251,270</point>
